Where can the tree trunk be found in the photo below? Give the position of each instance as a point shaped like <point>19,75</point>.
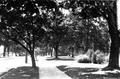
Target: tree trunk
<point>26,57</point>
<point>114,33</point>
<point>33,60</point>
<point>56,52</point>
<point>73,52</point>
<point>114,52</point>
<point>8,50</point>
<point>46,50</point>
<point>4,52</point>
<point>51,52</point>
<point>16,53</point>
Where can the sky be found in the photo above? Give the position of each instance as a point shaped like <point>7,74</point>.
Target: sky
<point>65,11</point>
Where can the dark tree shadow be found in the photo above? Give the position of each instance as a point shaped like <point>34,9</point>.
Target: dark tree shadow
<point>110,68</point>
<point>86,73</point>
<point>24,72</point>
<point>62,59</point>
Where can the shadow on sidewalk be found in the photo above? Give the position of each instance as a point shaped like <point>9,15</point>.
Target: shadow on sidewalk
<point>24,72</point>
<point>86,73</point>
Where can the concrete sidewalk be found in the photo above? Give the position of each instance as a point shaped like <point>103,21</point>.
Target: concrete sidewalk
<point>48,70</point>
<point>52,73</point>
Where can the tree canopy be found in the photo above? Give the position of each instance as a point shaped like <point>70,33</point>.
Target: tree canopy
<point>28,21</point>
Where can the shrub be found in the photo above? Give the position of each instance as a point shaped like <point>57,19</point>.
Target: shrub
<point>83,59</point>
<point>99,57</point>
<point>90,54</point>
<point>96,57</point>
<point>106,58</point>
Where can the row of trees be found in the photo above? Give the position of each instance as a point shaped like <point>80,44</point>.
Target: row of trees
<point>30,23</point>
<point>90,9</point>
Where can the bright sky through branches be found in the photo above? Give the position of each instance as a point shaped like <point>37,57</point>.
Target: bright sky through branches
<point>65,11</point>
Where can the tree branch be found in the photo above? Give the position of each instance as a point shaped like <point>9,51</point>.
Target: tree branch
<point>13,39</point>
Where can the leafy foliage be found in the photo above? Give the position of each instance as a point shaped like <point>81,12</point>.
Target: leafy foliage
<point>23,22</point>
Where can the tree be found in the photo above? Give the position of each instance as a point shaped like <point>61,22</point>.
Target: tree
<point>23,21</point>
<point>96,34</point>
<point>90,9</point>
<point>87,33</point>
<point>56,30</point>
<point>6,43</point>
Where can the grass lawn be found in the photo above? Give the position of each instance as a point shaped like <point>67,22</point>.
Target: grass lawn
<point>86,73</point>
<point>25,72</point>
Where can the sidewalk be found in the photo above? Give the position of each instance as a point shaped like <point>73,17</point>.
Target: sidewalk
<point>52,73</point>
<point>48,70</point>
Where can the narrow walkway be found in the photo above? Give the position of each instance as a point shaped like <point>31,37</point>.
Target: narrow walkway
<point>52,73</point>
<point>48,70</point>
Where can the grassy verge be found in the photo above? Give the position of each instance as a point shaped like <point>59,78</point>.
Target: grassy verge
<point>22,73</point>
<point>86,73</point>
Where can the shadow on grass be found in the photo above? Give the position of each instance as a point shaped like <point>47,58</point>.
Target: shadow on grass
<point>24,72</point>
<point>62,59</point>
<point>86,73</point>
